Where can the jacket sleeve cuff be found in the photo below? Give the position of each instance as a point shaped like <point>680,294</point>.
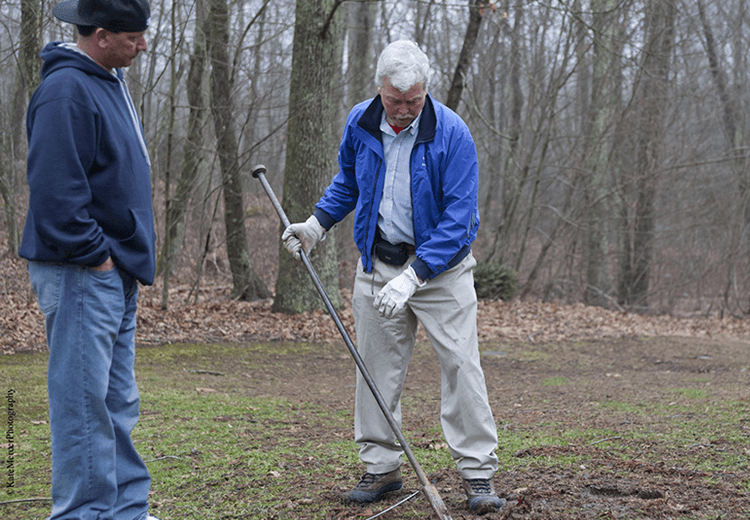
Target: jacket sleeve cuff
<point>324,218</point>
<point>424,272</point>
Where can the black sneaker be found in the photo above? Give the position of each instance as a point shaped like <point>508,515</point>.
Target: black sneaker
<point>372,486</point>
<point>482,496</point>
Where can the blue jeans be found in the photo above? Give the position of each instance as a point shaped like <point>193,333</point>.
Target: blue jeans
<point>93,397</point>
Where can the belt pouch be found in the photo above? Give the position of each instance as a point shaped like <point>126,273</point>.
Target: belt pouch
<point>391,254</point>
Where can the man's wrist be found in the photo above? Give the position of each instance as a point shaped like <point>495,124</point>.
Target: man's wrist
<point>106,266</point>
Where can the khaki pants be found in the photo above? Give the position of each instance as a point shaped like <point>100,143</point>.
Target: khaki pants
<point>447,308</point>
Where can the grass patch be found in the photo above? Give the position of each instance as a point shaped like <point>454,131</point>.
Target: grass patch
<point>223,441</point>
<point>555,381</point>
<point>690,393</point>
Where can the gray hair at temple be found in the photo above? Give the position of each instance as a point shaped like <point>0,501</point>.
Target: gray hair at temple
<point>404,64</point>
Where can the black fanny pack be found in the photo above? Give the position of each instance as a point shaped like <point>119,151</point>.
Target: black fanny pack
<point>393,254</point>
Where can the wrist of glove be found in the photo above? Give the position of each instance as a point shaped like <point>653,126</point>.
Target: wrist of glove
<point>393,297</point>
<point>303,236</point>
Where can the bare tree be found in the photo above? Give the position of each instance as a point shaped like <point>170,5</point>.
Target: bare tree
<point>28,66</point>
<point>600,116</point>
<point>510,186</point>
<point>465,59</point>
<point>736,144</point>
<point>192,158</point>
<point>311,151</point>
<point>422,19</point>
<point>360,85</point>
<point>247,284</point>
<point>648,111</point>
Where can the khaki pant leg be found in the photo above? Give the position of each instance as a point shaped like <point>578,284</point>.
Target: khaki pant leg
<point>447,309</point>
<point>385,346</point>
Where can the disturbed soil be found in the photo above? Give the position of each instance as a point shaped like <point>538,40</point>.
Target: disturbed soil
<point>548,367</point>
<point>542,389</point>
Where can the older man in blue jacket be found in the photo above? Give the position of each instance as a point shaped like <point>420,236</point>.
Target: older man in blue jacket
<point>90,239</point>
<point>408,170</point>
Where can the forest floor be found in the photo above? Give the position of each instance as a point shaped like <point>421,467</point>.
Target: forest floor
<point>643,384</point>
<point>215,317</point>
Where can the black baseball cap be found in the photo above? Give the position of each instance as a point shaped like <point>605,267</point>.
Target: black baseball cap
<point>112,15</point>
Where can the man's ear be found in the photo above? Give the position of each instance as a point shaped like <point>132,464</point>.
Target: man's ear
<point>101,37</point>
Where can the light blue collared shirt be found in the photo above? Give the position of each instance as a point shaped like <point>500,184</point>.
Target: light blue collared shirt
<point>395,212</point>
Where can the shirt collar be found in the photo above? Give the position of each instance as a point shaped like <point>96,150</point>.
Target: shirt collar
<point>410,130</point>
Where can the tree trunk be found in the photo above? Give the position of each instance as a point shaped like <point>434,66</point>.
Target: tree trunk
<point>735,141</point>
<point>192,157</point>
<point>650,109</point>
<point>13,140</point>
<point>602,109</point>
<point>8,181</point>
<point>467,54</point>
<point>510,186</point>
<point>313,136</point>
<point>360,84</point>
<point>247,285</point>
<point>164,264</point>
<point>422,20</point>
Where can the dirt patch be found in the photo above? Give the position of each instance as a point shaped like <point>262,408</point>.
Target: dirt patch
<point>621,391</point>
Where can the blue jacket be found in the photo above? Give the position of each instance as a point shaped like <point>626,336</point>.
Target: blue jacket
<point>444,178</point>
<point>88,169</point>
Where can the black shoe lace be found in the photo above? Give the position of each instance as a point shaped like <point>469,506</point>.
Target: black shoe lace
<point>367,479</point>
<point>480,486</point>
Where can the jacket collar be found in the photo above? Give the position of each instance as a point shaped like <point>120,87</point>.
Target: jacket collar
<point>370,120</point>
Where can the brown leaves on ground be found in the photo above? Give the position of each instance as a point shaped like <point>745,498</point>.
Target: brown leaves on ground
<point>218,318</point>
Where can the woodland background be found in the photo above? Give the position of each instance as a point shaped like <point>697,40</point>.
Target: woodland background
<point>612,137</point>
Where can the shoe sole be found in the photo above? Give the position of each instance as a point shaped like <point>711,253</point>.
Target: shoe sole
<point>364,497</point>
<point>483,505</point>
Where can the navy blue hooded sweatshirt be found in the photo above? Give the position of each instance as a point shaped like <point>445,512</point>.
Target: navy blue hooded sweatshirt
<point>88,169</point>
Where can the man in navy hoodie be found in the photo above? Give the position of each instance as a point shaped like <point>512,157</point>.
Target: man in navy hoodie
<point>89,239</point>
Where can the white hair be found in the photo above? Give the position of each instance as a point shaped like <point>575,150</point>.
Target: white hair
<point>404,64</point>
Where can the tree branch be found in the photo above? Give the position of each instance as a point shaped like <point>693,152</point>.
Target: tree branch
<point>329,20</point>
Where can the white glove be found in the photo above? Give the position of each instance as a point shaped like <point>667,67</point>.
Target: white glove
<point>393,297</point>
<point>303,235</point>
